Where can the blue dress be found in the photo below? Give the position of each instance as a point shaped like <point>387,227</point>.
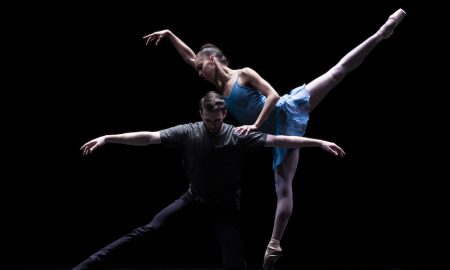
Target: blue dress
<point>289,117</point>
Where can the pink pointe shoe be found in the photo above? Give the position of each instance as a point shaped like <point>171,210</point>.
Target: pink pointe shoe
<point>388,28</point>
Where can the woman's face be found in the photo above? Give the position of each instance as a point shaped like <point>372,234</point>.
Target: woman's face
<point>205,67</point>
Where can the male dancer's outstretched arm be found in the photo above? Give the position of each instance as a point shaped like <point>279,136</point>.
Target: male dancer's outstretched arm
<point>297,142</point>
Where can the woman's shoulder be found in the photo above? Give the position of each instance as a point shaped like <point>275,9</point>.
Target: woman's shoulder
<point>248,77</point>
<point>245,71</point>
<point>243,74</point>
<point>248,73</point>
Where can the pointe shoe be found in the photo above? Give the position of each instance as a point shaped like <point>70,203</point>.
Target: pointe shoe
<point>388,28</point>
<point>271,256</point>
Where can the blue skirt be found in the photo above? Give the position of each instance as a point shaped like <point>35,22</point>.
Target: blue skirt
<point>291,118</point>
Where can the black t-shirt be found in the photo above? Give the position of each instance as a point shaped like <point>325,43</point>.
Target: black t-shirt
<point>212,161</point>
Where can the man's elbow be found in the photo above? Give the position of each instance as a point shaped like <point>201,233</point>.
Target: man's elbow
<point>153,138</point>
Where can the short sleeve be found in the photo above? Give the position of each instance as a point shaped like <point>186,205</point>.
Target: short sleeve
<point>173,136</point>
<point>253,140</point>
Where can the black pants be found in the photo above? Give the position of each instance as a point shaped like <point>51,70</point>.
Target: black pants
<point>224,221</point>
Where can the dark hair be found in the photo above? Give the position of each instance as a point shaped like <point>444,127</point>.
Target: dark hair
<point>209,49</point>
<point>212,101</point>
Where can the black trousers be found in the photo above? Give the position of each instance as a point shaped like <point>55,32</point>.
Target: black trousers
<point>191,207</point>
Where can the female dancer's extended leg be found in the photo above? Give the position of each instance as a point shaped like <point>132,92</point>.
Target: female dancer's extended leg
<point>322,85</point>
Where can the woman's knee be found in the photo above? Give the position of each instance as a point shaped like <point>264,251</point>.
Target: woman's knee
<point>338,73</point>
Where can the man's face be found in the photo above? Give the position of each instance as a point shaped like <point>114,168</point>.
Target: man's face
<point>213,120</point>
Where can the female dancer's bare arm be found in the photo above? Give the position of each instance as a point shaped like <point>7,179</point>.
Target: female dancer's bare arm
<point>250,77</point>
<point>186,53</point>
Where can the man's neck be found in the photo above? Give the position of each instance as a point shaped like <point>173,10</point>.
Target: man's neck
<point>215,133</point>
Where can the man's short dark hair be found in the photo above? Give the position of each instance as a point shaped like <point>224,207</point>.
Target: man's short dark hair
<point>212,101</point>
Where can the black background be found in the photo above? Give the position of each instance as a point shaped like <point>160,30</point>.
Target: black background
<point>78,70</point>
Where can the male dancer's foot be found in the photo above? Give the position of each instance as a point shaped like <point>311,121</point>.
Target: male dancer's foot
<point>273,253</point>
<point>387,29</point>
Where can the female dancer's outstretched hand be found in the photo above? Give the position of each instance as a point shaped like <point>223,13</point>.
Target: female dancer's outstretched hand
<point>156,36</point>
